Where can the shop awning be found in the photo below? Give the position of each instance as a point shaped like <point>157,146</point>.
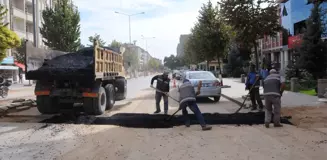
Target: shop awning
<point>8,67</point>
<point>22,66</point>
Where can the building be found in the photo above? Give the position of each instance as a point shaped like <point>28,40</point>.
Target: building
<point>143,55</point>
<point>181,45</point>
<point>271,48</point>
<point>279,49</point>
<point>20,19</point>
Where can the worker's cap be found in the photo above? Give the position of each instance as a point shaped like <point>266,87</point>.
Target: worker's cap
<point>272,71</point>
<point>166,73</point>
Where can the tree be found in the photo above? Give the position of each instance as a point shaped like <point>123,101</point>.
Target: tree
<point>8,38</point>
<point>115,44</point>
<point>173,62</point>
<point>61,27</point>
<point>208,40</point>
<point>81,46</point>
<point>313,50</point>
<point>153,64</point>
<point>97,37</point>
<point>131,57</point>
<point>252,19</point>
<point>19,52</point>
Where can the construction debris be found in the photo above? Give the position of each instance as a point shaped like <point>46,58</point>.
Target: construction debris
<point>17,105</point>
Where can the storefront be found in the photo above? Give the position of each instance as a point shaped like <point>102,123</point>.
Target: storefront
<point>10,69</point>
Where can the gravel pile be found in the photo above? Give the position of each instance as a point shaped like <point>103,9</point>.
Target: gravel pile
<point>71,65</point>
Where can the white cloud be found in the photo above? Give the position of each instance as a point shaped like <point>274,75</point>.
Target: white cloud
<point>163,19</point>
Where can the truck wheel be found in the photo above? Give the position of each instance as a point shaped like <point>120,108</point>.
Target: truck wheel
<point>96,106</point>
<point>121,85</point>
<point>110,92</point>
<point>47,105</point>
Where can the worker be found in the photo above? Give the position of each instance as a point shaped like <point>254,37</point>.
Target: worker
<point>253,84</point>
<point>188,99</point>
<point>162,85</point>
<point>274,86</point>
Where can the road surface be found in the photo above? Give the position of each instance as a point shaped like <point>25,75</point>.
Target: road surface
<point>28,139</point>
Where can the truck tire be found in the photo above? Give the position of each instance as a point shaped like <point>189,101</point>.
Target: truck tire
<point>47,105</point>
<point>96,106</point>
<point>121,85</point>
<point>110,93</point>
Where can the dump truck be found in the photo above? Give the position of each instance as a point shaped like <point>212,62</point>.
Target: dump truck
<point>92,76</point>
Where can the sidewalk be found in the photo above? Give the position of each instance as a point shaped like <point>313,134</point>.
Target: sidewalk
<point>289,99</point>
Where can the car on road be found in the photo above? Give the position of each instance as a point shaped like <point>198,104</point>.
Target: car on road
<point>211,87</point>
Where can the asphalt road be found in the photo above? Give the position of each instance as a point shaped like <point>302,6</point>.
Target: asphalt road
<point>32,140</point>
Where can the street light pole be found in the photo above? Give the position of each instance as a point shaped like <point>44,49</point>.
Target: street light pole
<point>146,41</point>
<point>129,22</point>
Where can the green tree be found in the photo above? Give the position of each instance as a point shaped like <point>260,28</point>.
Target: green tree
<point>173,62</point>
<point>8,38</point>
<point>61,27</point>
<point>153,64</point>
<point>131,57</point>
<point>115,44</point>
<point>102,43</point>
<point>313,50</point>
<point>19,52</point>
<point>251,19</point>
<point>209,39</point>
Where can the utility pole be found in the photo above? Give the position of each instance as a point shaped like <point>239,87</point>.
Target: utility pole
<point>146,41</point>
<point>129,22</point>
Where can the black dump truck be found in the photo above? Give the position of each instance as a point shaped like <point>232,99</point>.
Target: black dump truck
<point>94,76</point>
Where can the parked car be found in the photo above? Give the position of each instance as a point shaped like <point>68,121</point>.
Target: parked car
<point>211,87</point>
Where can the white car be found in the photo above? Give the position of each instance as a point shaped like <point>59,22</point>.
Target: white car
<point>211,87</point>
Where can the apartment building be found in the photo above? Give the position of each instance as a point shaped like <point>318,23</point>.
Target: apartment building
<point>181,45</point>
<point>279,49</point>
<point>20,20</point>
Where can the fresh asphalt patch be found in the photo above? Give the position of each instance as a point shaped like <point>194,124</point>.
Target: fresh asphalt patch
<point>139,120</point>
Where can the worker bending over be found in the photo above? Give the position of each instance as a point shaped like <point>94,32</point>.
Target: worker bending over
<point>162,85</point>
<point>188,99</point>
<point>273,90</point>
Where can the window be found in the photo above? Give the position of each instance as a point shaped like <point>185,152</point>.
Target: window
<point>285,11</point>
<point>201,75</point>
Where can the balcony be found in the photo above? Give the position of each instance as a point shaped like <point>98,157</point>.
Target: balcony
<point>29,17</point>
<point>30,36</point>
<point>19,13</point>
<point>20,33</point>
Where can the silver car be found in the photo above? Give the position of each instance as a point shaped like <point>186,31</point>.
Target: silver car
<point>211,87</point>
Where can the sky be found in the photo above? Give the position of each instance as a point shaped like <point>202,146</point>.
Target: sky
<point>165,20</point>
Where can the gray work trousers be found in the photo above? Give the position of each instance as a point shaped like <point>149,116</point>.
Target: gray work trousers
<point>270,101</point>
<point>158,99</point>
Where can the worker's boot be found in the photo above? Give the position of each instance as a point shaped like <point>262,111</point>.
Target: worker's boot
<point>188,123</point>
<point>157,111</point>
<point>206,128</point>
<point>261,109</point>
<point>266,125</point>
<point>166,112</point>
<point>278,125</point>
